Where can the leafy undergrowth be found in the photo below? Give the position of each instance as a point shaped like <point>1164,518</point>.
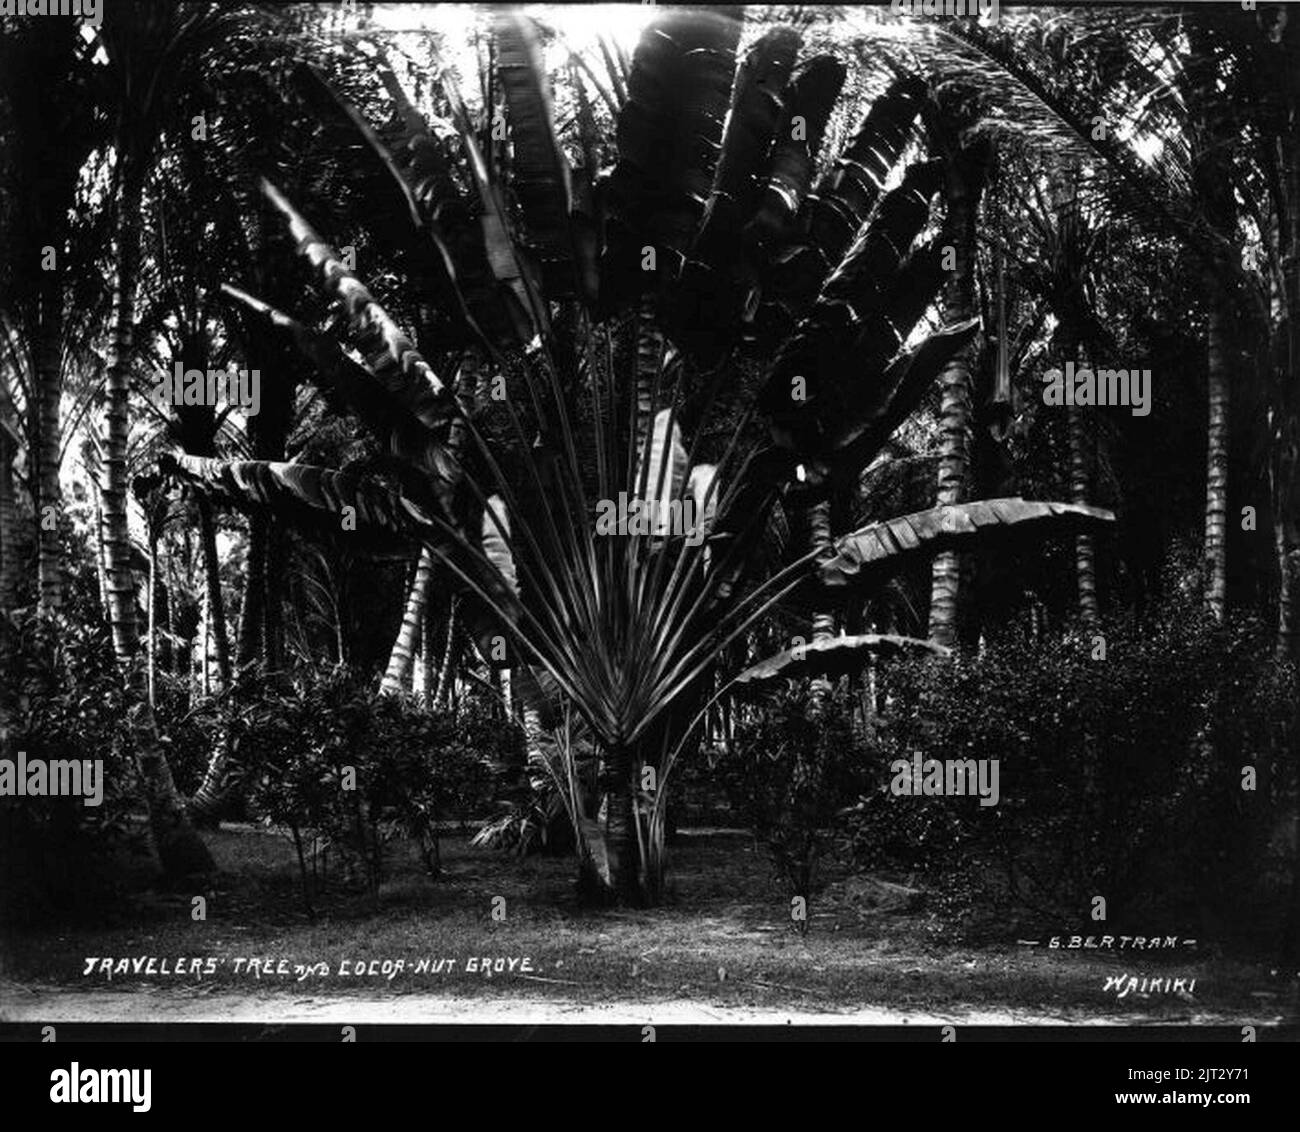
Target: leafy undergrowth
<point>724,936</point>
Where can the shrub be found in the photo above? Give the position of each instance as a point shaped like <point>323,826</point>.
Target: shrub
<point>1119,777</point>
<point>66,702</point>
<point>789,772</point>
<point>340,767</point>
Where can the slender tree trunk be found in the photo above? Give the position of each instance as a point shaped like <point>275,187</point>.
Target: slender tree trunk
<point>216,604</point>
<point>1288,604</point>
<point>1216,479</point>
<point>399,660</point>
<point>1085,549</point>
<point>277,553</point>
<point>445,675</point>
<point>9,569</point>
<point>964,182</point>
<point>152,643</point>
<point>180,851</point>
<point>823,620</point>
<point>206,804</point>
<point>252,610</point>
<point>428,663</point>
<point>9,566</point>
<point>49,391</point>
<point>173,649</point>
<point>101,562</point>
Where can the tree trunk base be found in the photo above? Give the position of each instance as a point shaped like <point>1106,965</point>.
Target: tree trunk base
<point>183,856</point>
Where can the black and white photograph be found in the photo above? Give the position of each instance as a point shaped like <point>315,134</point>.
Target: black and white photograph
<point>650,519</point>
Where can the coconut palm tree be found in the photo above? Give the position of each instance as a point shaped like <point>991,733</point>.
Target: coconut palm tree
<point>50,130</point>
<point>151,50</point>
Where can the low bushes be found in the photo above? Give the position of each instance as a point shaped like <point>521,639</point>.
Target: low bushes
<point>1121,764</point>
<point>344,770</point>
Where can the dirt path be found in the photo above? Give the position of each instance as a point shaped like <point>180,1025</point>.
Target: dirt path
<point>25,1004</point>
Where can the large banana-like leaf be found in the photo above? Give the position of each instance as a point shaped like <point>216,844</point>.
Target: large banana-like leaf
<point>958,526</point>
<point>669,132</point>
<point>424,164</point>
<point>846,194</point>
<point>877,408</point>
<point>797,140</point>
<point>716,278</point>
<point>538,166</point>
<point>349,385</point>
<point>852,329</point>
<point>505,258</point>
<point>389,352</point>
<point>336,501</point>
<point>305,491</point>
<point>395,215</point>
<point>832,656</point>
<point>832,216</point>
<point>756,104</point>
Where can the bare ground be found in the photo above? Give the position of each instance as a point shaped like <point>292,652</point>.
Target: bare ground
<point>723,949</point>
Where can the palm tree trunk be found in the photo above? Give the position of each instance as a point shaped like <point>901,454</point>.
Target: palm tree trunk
<point>621,842</point>
<point>216,605</point>
<point>49,390</point>
<point>1288,603</point>
<point>428,677</point>
<point>213,790</point>
<point>180,851</point>
<point>9,570</point>
<point>964,182</point>
<point>399,660</point>
<point>251,612</point>
<point>9,567</point>
<point>448,655</point>
<point>823,621</point>
<point>152,643</point>
<point>1085,550</point>
<point>965,173</point>
<point>101,564</point>
<point>277,554</point>
<point>1216,478</point>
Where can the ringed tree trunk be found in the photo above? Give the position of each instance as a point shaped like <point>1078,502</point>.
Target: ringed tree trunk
<point>965,177</point>
<point>216,604</point>
<point>1085,553</point>
<point>206,804</point>
<point>1085,548</point>
<point>180,850</point>
<point>823,620</point>
<point>1216,477</point>
<point>9,567</point>
<point>8,560</point>
<point>49,390</point>
<point>445,673</point>
<point>251,611</point>
<point>399,660</point>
